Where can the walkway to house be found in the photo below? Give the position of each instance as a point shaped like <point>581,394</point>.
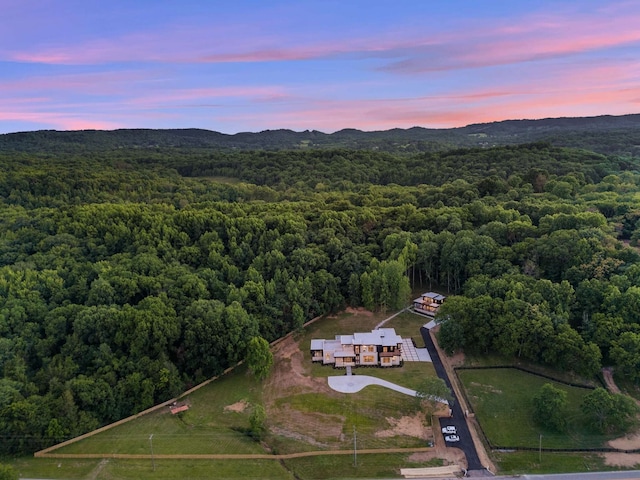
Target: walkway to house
<point>389,318</point>
<point>430,325</point>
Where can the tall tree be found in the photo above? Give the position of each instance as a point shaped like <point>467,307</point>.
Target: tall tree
<point>259,357</point>
<point>550,407</point>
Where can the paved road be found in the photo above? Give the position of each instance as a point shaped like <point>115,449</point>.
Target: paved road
<point>466,442</point>
<point>626,475</point>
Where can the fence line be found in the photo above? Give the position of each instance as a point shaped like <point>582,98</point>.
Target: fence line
<point>526,370</point>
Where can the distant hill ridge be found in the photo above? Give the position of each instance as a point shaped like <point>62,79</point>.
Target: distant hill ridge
<point>618,134</point>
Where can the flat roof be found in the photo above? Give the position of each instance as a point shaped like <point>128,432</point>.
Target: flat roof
<point>434,295</point>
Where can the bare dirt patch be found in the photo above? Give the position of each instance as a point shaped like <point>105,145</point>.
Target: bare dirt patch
<point>290,374</point>
<point>296,424</point>
<point>359,311</point>
<point>622,459</point>
<point>451,456</point>
<point>456,360</point>
<point>237,407</point>
<point>628,442</point>
<point>607,374</point>
<point>410,426</point>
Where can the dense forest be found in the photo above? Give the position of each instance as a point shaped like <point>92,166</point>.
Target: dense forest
<point>129,273</point>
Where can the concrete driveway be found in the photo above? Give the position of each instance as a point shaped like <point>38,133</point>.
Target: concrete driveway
<point>355,383</point>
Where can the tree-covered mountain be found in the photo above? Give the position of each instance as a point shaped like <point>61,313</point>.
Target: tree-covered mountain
<point>615,135</point>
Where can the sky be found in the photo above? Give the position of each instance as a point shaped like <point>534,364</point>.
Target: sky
<point>253,65</point>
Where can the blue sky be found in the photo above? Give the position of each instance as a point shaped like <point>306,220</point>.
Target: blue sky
<point>324,65</point>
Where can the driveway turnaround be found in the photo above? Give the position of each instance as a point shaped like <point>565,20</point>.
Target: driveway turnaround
<point>355,383</point>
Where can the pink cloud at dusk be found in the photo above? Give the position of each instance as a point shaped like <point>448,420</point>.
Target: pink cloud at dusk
<point>471,46</point>
<point>58,121</point>
<point>446,111</point>
<point>264,93</point>
<point>301,65</point>
<point>540,40</point>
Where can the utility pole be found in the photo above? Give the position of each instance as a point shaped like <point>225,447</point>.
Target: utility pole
<point>355,447</point>
<point>153,462</point>
<point>540,450</point>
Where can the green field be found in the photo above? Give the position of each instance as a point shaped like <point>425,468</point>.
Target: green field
<point>308,468</point>
<point>502,402</point>
<point>206,428</point>
<point>517,463</point>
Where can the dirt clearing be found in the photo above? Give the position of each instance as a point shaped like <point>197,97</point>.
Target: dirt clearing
<point>237,407</point>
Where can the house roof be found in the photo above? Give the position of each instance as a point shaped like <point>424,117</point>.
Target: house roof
<point>385,337</point>
<point>368,338</point>
<point>432,295</point>
<point>345,339</point>
<point>389,337</point>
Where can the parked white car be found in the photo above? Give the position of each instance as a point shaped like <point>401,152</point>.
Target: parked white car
<point>449,429</point>
<point>452,438</point>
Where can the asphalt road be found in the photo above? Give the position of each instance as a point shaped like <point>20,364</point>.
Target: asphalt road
<point>626,475</point>
<point>466,442</point>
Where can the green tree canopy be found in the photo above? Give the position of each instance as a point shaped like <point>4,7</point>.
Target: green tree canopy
<point>259,357</point>
<point>550,407</point>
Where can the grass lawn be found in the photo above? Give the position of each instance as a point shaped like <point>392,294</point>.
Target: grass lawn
<point>342,466</point>
<point>502,402</point>
<point>492,359</point>
<point>516,463</point>
<point>408,325</point>
<point>196,469</point>
<point>29,467</point>
<point>308,468</point>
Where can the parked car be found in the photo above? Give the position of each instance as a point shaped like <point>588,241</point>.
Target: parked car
<point>449,429</point>
<point>452,438</point>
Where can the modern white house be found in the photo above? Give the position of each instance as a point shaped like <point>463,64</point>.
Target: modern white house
<point>428,303</point>
<point>380,348</point>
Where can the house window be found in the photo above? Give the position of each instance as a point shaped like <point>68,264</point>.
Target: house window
<point>385,359</point>
<point>368,359</point>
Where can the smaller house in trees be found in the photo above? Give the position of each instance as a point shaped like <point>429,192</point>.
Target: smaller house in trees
<point>380,348</point>
<point>428,303</point>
